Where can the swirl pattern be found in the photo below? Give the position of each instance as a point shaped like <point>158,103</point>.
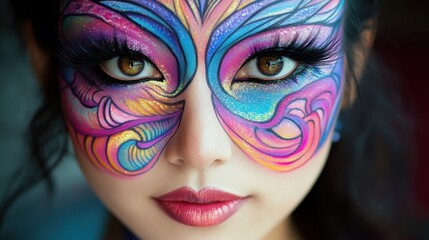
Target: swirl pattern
<point>123,128</point>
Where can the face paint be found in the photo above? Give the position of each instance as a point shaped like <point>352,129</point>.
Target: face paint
<point>122,123</point>
<point>280,122</point>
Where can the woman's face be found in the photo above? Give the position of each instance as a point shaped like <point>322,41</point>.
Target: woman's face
<point>201,119</point>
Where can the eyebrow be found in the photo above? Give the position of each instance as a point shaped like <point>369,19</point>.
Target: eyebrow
<point>266,15</point>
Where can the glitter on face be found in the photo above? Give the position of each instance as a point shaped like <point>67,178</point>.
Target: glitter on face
<point>124,128</point>
<point>282,125</point>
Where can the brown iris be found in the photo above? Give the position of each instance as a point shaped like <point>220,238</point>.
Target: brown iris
<point>270,65</point>
<point>130,66</point>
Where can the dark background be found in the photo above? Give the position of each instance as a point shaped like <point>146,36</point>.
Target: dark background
<point>403,45</point>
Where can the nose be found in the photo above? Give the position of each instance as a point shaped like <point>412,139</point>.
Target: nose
<point>200,140</point>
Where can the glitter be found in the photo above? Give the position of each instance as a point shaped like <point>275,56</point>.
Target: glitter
<point>124,129</point>
<point>254,114</point>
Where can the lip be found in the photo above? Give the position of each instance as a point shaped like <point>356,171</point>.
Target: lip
<point>205,208</point>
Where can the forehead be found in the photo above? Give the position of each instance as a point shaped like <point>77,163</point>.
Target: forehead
<point>209,20</point>
<point>206,14</point>
<point>203,11</point>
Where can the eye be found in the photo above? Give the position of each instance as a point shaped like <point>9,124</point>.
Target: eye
<point>269,67</point>
<point>130,68</point>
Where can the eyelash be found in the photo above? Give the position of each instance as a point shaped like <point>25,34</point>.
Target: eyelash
<point>307,54</point>
<point>86,57</point>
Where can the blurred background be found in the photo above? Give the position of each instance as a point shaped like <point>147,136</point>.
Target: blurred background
<point>35,210</point>
<point>402,43</point>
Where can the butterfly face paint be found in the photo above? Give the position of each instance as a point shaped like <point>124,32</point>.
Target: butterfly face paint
<point>124,65</point>
<point>274,69</point>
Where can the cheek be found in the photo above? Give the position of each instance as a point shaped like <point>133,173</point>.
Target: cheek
<point>121,132</point>
<point>300,125</point>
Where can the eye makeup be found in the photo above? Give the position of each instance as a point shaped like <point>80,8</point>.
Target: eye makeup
<point>279,124</point>
<point>315,49</point>
<point>274,69</point>
<point>122,124</point>
<point>93,56</point>
<point>304,55</point>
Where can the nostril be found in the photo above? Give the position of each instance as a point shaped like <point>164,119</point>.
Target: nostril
<point>177,162</point>
<point>218,162</point>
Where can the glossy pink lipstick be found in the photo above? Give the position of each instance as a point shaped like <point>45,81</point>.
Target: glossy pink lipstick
<point>207,207</point>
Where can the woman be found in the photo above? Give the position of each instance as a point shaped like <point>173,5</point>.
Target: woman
<point>213,119</point>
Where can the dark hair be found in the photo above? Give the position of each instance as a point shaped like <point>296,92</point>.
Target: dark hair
<point>361,189</point>
<point>47,132</point>
<point>364,191</point>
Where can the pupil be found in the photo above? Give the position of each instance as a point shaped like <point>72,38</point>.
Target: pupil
<point>270,65</point>
<point>130,66</point>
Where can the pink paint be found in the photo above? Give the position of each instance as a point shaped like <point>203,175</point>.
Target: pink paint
<point>205,208</point>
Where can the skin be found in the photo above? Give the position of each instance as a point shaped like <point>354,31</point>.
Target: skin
<point>206,122</point>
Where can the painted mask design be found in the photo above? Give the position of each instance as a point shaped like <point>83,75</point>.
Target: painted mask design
<point>274,69</point>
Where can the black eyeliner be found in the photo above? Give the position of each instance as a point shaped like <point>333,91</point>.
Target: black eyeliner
<point>86,56</point>
<point>306,54</point>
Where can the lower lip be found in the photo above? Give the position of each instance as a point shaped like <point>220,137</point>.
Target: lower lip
<point>201,214</point>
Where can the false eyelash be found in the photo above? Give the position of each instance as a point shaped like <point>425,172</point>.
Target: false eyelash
<point>89,53</point>
<point>86,56</point>
<point>306,52</point>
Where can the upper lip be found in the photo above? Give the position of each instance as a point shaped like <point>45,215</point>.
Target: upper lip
<point>204,196</point>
